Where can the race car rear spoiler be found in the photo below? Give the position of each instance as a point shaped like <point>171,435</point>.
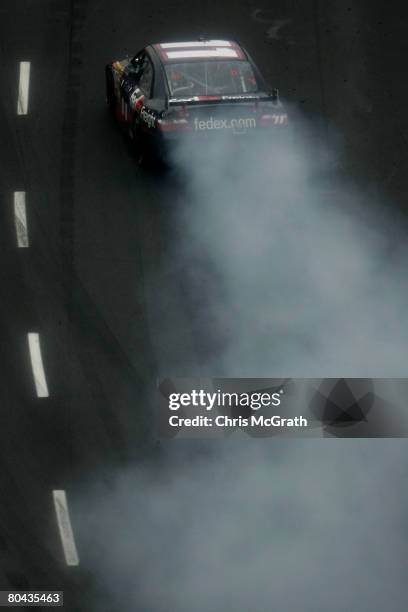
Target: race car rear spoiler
<point>263,97</point>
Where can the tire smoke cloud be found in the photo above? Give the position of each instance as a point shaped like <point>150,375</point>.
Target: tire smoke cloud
<point>294,273</point>
<point>303,274</point>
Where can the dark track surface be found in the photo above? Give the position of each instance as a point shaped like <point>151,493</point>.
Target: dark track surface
<point>96,281</point>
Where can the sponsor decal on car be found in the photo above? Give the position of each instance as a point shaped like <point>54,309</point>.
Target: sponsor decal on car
<point>202,53</point>
<point>147,117</point>
<point>199,49</point>
<point>196,43</point>
<point>221,124</point>
<point>276,118</point>
<point>136,99</point>
<point>245,97</point>
<point>240,97</point>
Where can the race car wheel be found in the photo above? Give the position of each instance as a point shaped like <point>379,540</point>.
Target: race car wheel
<point>110,93</point>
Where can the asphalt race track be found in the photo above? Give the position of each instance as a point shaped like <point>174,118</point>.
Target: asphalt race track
<point>102,282</point>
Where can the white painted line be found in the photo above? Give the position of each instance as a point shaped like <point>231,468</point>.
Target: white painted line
<point>65,528</point>
<point>201,43</point>
<point>20,218</point>
<point>23,88</point>
<point>37,365</point>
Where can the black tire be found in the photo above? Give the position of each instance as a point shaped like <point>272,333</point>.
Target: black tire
<point>110,92</point>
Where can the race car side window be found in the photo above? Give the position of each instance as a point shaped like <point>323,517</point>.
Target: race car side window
<point>146,79</point>
<point>137,61</point>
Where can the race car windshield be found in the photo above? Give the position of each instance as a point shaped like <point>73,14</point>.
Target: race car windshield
<point>211,78</point>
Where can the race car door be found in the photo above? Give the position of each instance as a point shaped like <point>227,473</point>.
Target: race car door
<point>147,117</point>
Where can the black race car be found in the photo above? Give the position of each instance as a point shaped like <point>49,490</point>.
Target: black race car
<point>193,89</point>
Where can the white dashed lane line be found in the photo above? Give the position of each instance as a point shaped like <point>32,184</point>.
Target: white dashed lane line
<point>23,88</point>
<point>37,365</point>
<point>65,528</point>
<point>20,218</point>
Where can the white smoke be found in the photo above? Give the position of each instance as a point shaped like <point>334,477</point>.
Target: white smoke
<point>255,525</point>
<point>308,281</point>
<point>294,273</point>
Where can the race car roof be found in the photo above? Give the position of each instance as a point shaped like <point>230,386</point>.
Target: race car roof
<point>199,50</point>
